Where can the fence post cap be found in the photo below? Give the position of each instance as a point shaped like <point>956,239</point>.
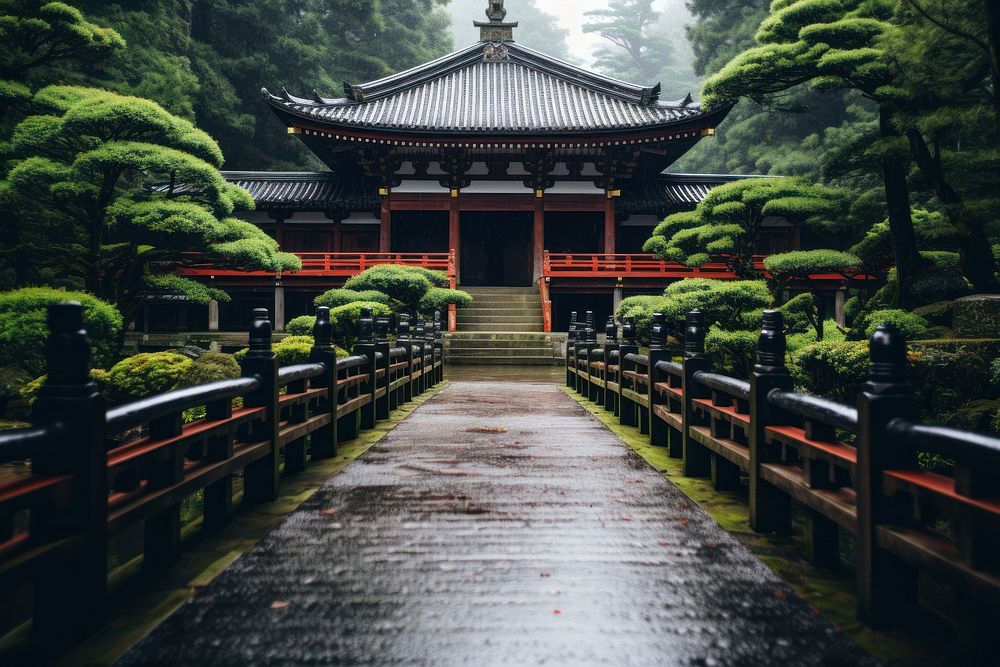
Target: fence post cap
<point>657,333</point>
<point>67,349</point>
<point>611,329</point>
<point>771,346</point>
<point>260,331</point>
<point>887,355</point>
<point>694,334</point>
<point>323,330</point>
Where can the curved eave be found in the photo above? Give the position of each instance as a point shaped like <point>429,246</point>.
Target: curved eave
<point>294,118</point>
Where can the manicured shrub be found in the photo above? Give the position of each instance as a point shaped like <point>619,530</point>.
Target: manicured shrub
<point>401,283</point>
<point>912,326</point>
<point>977,316</point>
<point>436,278</point>
<point>293,350</point>
<point>641,308</point>
<point>944,378</point>
<point>438,298</point>
<point>939,313</point>
<point>30,390</point>
<point>301,326</point>
<point>833,369</point>
<point>344,320</point>
<point>210,367</point>
<point>146,374</point>
<point>24,327</point>
<point>799,314</point>
<point>731,352</point>
<point>804,262</point>
<point>340,297</point>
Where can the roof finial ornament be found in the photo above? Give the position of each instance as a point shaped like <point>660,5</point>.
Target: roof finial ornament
<point>496,29</point>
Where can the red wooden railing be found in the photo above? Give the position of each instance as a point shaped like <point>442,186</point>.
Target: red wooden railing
<point>338,264</point>
<point>624,265</point>
<point>543,289</point>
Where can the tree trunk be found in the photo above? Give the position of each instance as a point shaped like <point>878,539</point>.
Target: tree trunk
<point>993,33</point>
<point>897,197</point>
<point>977,254</point>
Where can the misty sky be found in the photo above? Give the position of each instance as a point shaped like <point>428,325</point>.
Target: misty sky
<point>570,15</point>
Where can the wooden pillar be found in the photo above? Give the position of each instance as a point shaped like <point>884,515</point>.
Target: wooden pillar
<point>213,315</point>
<point>453,231</point>
<point>279,308</point>
<point>279,236</point>
<point>538,235</point>
<point>338,244</point>
<point>385,223</point>
<point>609,224</point>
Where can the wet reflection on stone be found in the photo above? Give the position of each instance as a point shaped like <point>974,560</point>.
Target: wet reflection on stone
<point>500,523</point>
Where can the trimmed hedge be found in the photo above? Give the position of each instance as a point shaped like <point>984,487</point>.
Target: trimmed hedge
<point>146,374</point>
<point>301,326</point>
<point>344,320</point>
<point>24,327</point>
<point>402,283</point>
<point>439,298</point>
<point>210,367</point>
<point>977,316</point>
<point>912,326</point>
<point>341,297</point>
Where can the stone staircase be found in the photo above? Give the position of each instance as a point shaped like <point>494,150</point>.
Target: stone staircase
<point>503,326</point>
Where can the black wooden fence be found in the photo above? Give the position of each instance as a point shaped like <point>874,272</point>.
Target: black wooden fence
<point>852,468</point>
<point>97,471</point>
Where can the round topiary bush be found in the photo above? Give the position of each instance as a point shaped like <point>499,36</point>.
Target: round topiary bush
<point>833,369</point>
<point>24,327</point>
<point>210,367</point>
<point>402,283</point>
<point>146,374</point>
<point>977,316</point>
<point>912,326</point>
<point>344,320</point>
<point>301,326</point>
<point>439,298</point>
<point>341,297</point>
<point>731,352</point>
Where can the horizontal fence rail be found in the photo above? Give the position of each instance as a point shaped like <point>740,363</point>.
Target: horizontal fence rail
<point>96,471</point>
<point>850,468</point>
<point>333,264</point>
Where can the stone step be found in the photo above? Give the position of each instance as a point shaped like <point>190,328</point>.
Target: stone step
<point>500,290</point>
<point>499,310</point>
<point>500,319</point>
<point>500,327</point>
<point>503,361</point>
<point>504,336</point>
<point>486,343</point>
<point>488,352</point>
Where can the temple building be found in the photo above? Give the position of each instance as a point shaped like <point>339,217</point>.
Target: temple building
<point>503,165</point>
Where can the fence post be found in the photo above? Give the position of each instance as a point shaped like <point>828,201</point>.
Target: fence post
<point>432,348</point>
<point>70,595</point>
<point>697,460</point>
<point>323,440</point>
<point>887,585</point>
<point>658,351</point>
<point>404,341</point>
<point>261,476</point>
<point>610,343</point>
<point>366,346</point>
<point>626,414</point>
<point>770,509</point>
<point>382,347</point>
<point>417,337</point>
<point>570,342</point>
<point>439,345</point>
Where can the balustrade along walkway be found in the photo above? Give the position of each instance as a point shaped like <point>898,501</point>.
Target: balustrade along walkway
<point>500,523</point>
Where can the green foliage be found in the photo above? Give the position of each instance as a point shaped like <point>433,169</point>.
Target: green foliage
<point>81,191</point>
<point>301,326</point>
<point>729,219</point>
<point>401,283</point>
<point>29,391</point>
<point>912,326</point>
<point>977,316</point>
<point>731,352</point>
<point>799,314</point>
<point>293,350</point>
<point>788,265</point>
<point>210,367</point>
<point>193,290</point>
<point>24,327</point>
<point>339,297</point>
<point>939,313</point>
<point>438,298</point>
<point>832,369</point>
<point>344,320</point>
<point>146,374</point>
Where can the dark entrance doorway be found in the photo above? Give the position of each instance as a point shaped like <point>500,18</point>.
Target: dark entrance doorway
<point>496,248</point>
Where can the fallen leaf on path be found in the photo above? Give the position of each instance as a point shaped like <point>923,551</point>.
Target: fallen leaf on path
<point>683,522</point>
<point>330,511</point>
<point>487,429</point>
<point>280,604</point>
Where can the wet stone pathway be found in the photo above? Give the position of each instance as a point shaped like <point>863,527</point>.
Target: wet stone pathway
<point>499,524</point>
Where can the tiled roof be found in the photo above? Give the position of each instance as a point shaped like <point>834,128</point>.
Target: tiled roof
<point>477,91</point>
<point>673,192</point>
<point>300,190</point>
